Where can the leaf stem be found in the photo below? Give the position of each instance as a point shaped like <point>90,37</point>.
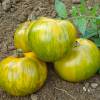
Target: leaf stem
<point>19,53</point>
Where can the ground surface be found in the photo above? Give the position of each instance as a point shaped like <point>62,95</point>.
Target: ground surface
<point>13,12</point>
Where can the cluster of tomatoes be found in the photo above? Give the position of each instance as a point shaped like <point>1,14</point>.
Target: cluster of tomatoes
<point>47,40</point>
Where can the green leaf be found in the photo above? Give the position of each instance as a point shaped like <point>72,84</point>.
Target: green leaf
<point>60,9</point>
<point>74,11</point>
<point>98,25</point>
<point>81,24</point>
<point>83,8</point>
<point>93,24</point>
<point>94,10</point>
<point>89,34</point>
<point>98,20</point>
<point>91,29</point>
<point>96,41</point>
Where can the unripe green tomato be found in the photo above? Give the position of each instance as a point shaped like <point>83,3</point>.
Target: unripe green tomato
<point>22,76</point>
<point>51,39</point>
<point>21,36</point>
<point>81,63</point>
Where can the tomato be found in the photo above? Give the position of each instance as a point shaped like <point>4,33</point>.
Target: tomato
<point>20,76</point>
<point>81,63</point>
<point>51,39</point>
<point>99,62</point>
<point>21,36</point>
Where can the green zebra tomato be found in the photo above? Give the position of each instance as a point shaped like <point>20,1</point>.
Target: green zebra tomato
<point>80,63</point>
<point>51,39</point>
<point>21,36</point>
<point>22,76</point>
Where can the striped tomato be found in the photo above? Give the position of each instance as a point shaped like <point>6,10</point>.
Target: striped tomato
<point>22,76</point>
<point>21,36</point>
<point>79,64</point>
<point>50,39</point>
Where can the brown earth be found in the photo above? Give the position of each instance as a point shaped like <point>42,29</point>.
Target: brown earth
<point>14,12</point>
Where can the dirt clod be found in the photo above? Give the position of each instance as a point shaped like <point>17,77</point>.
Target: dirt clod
<point>34,97</point>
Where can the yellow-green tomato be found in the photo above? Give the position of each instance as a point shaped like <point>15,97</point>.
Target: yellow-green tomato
<point>99,61</point>
<point>50,38</point>
<point>80,63</point>
<point>22,76</point>
<point>21,36</point>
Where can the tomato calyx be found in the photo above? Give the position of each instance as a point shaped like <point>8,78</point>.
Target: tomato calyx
<point>76,44</point>
<point>19,53</point>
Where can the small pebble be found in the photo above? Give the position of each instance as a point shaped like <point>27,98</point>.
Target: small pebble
<point>94,85</point>
<point>86,86</point>
<point>89,90</point>
<point>34,97</point>
<point>84,89</point>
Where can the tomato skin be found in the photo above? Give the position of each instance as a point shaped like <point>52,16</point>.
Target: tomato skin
<point>81,63</point>
<point>22,76</point>
<point>99,61</point>
<point>50,39</point>
<point>21,36</point>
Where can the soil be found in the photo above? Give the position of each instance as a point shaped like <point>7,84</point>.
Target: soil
<point>14,12</point>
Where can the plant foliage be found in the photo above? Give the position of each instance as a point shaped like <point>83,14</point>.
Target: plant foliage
<point>86,19</point>
<point>60,9</point>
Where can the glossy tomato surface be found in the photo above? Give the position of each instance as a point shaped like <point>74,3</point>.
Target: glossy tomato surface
<point>21,36</point>
<point>80,63</point>
<point>22,76</point>
<point>50,39</point>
